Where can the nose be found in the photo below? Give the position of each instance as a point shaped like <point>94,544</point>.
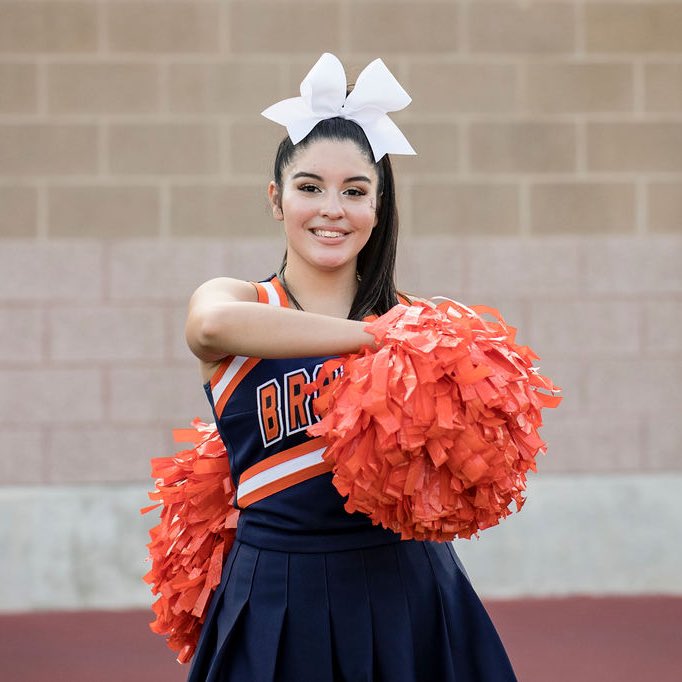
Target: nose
<point>331,206</point>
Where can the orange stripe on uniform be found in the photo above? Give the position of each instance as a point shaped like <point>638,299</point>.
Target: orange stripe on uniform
<point>284,456</point>
<point>262,294</point>
<point>283,483</point>
<point>281,471</point>
<point>247,365</point>
<point>222,368</point>
<point>233,369</point>
<point>283,300</point>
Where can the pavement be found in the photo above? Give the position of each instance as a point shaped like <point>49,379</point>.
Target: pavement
<point>581,639</point>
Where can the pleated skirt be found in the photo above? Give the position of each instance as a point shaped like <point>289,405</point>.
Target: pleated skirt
<point>399,612</point>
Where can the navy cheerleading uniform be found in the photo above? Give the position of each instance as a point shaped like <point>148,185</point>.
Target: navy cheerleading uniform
<point>310,592</point>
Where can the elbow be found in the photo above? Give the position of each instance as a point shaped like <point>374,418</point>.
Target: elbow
<point>203,336</point>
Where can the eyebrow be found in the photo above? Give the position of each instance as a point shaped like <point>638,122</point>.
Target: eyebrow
<point>355,178</point>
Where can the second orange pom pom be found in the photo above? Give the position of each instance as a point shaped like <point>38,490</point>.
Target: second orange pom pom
<point>432,434</point>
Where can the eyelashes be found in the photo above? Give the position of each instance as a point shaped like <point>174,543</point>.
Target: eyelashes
<point>351,191</point>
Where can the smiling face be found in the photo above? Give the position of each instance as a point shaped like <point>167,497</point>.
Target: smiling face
<point>328,203</point>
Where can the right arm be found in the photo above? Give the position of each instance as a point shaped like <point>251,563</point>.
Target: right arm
<point>224,318</point>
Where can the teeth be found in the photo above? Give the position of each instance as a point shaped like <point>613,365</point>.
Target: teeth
<point>327,233</point>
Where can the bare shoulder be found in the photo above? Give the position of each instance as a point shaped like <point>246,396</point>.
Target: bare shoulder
<point>207,299</point>
<point>222,289</point>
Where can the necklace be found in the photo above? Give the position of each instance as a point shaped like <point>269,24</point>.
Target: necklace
<point>287,291</point>
<point>290,296</point>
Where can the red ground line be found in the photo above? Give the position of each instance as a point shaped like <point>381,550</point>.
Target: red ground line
<point>586,639</point>
<point>581,639</point>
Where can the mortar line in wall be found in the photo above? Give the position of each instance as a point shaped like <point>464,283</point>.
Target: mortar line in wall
<point>223,33</point>
<point>41,89</point>
<point>103,160</point>
<point>463,263</point>
<point>521,75</point>
<point>523,193</point>
<point>463,135</point>
<point>403,70</point>
<point>225,142</point>
<point>105,283</point>
<point>581,164</point>
<point>510,117</point>
<point>102,9</point>
<point>164,210</point>
<point>209,118</point>
<point>641,206</point>
<point>285,71</point>
<point>525,304</point>
<point>638,90</point>
<point>45,438</point>
<point>167,332</point>
<point>463,28</point>
<point>344,27</point>
<point>454,57</point>
<point>643,337</point>
<point>42,210</point>
<point>579,27</point>
<point>45,345</point>
<point>214,180</point>
<point>407,199</point>
<point>581,269</point>
<point>163,82</point>
<point>643,434</point>
<point>105,383</point>
<point>577,296</point>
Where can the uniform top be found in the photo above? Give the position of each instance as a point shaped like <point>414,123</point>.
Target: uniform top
<point>284,488</point>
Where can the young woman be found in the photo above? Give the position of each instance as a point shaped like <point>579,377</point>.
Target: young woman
<point>310,592</point>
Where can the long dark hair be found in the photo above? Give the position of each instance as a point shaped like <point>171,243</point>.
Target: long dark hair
<point>376,292</point>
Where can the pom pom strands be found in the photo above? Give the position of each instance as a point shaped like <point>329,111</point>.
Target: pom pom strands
<point>432,434</point>
<point>195,534</point>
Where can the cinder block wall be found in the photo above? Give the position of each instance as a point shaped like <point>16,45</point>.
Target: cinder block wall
<point>133,166</point>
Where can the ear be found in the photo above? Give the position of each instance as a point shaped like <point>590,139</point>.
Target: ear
<point>275,201</point>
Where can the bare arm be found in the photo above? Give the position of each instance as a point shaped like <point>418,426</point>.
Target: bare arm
<point>225,318</point>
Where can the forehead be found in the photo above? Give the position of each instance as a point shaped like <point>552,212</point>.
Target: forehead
<point>331,158</point>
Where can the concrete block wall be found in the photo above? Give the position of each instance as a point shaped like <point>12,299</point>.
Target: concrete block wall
<point>133,166</point>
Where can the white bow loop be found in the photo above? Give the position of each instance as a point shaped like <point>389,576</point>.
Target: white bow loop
<point>377,92</point>
<point>324,88</point>
<point>323,95</point>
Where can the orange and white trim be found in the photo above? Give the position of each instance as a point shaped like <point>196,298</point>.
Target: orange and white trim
<point>272,292</point>
<point>234,368</point>
<point>281,471</point>
<point>227,377</point>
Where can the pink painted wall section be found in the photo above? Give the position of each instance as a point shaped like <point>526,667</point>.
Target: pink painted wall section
<point>95,371</point>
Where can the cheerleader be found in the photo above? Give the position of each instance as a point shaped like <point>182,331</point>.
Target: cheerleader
<point>308,591</point>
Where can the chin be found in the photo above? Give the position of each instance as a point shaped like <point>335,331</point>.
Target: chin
<point>330,264</point>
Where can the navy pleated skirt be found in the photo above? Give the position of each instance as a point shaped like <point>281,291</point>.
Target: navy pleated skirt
<point>399,612</point>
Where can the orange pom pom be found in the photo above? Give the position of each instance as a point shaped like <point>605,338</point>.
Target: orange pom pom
<point>432,434</point>
<point>195,533</point>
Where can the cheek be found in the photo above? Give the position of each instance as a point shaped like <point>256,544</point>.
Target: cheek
<point>365,212</point>
<point>295,208</point>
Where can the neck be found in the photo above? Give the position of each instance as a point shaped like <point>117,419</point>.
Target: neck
<point>329,292</point>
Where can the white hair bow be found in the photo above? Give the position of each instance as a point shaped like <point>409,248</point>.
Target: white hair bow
<point>323,95</point>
